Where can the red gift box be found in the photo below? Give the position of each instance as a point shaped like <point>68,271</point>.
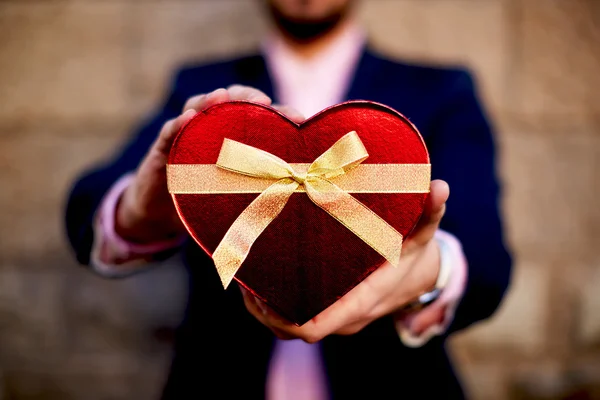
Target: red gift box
<point>299,214</point>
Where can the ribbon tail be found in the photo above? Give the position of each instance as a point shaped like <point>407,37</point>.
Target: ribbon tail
<point>235,245</point>
<point>357,217</point>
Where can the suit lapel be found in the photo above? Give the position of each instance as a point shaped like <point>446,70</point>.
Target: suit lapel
<point>366,71</point>
<point>252,71</point>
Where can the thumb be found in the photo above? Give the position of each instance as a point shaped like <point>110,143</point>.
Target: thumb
<point>435,207</point>
<point>169,132</point>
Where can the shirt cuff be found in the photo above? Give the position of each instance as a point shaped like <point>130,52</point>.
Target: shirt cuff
<point>445,306</point>
<point>113,256</point>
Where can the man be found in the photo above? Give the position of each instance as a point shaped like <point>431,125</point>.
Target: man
<point>385,338</point>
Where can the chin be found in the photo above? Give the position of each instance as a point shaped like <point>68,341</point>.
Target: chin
<point>305,20</point>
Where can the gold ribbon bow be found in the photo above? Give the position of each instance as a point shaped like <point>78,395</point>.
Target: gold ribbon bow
<point>245,169</point>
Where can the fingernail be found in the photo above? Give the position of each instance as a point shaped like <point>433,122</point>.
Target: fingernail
<point>260,99</point>
<point>212,94</point>
<point>200,99</point>
<point>262,306</point>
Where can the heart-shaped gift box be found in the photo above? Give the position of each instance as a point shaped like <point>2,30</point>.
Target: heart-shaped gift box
<point>299,214</point>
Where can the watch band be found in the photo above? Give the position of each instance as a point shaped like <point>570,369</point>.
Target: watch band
<point>427,298</point>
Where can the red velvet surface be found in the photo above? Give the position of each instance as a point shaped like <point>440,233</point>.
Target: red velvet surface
<point>305,260</point>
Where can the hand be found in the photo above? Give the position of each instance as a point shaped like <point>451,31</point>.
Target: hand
<point>383,292</point>
<point>146,212</point>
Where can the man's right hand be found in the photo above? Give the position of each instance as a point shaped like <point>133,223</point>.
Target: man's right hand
<point>146,213</point>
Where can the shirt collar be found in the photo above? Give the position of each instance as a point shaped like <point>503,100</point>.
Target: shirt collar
<point>312,84</point>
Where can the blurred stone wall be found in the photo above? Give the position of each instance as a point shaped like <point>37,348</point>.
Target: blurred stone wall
<point>76,76</point>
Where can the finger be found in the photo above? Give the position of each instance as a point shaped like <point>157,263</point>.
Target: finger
<point>425,319</point>
<point>281,327</point>
<point>330,320</point>
<point>435,208</point>
<point>351,329</point>
<point>195,103</point>
<point>203,101</point>
<point>239,92</point>
<point>290,112</point>
<point>260,309</point>
<point>353,308</point>
<point>169,132</point>
<point>272,316</point>
<point>253,305</point>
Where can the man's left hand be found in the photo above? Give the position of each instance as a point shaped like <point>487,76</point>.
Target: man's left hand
<point>383,292</point>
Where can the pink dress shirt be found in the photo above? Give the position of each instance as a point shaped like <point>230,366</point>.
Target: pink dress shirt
<point>296,371</point>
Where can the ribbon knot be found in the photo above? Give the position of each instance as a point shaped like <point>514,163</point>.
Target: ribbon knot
<point>299,177</point>
<point>347,153</point>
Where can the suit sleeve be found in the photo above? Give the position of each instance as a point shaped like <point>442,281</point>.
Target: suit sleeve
<point>463,153</point>
<point>90,188</point>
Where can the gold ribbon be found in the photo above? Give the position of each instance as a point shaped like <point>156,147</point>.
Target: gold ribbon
<point>245,169</point>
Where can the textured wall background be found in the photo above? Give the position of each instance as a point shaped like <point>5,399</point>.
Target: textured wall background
<point>75,76</point>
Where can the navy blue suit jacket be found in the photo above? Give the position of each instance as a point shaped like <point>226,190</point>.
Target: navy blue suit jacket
<point>221,347</point>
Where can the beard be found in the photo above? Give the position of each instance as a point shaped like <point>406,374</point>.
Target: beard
<point>305,30</point>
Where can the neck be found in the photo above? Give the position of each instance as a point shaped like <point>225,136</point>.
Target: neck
<point>307,49</point>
